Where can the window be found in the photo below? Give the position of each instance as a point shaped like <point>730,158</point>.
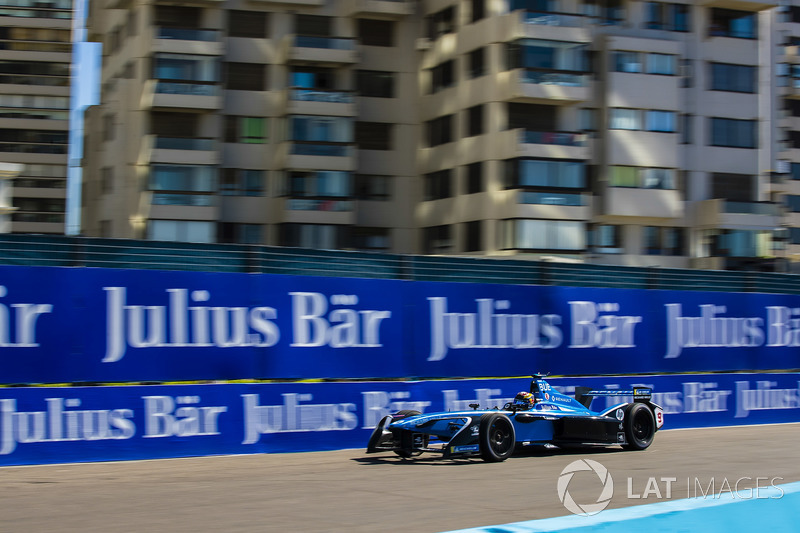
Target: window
<point>177,16</point>
<point>627,61</point>
<point>476,63</point>
<point>587,119</point>
<point>372,187</point>
<point>474,121</point>
<point>478,10</point>
<point>320,128</point>
<point>660,121</point>
<point>733,23</point>
<point>531,234</point>
<point>472,236</point>
<point>652,240</point>
<point>440,130</point>
<point>242,182</point>
<point>545,173</point>
<point>734,187</point>
<point>661,64</point>
<point>375,83</point>
<point>181,231</point>
<point>641,177</point>
<point>236,233</point>
<point>185,67</point>
<point>442,22</point>
<point>605,238</point>
<point>374,239</point>
<point>183,178</point>
<point>436,239</point>
<point>107,180</point>
<point>443,76</point>
<point>376,32</point>
<point>320,236</point>
<point>247,24</point>
<point>313,25</point>
<point>474,173</point>
<point>438,185</point>
<point>608,12</point>
<point>792,203</point>
<point>795,171</point>
<point>36,141</point>
<point>735,78</point>
<point>320,184</point>
<point>667,16</point>
<point>249,130</point>
<point>548,55</point>
<point>374,135</point>
<point>673,241</point>
<point>733,133</point>
<point>625,119</point>
<point>686,129</point>
<point>794,235</point>
<point>245,76</point>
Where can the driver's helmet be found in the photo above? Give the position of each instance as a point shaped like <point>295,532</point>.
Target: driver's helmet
<point>523,400</point>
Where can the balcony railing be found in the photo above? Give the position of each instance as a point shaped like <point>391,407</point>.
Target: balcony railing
<point>187,88</point>
<point>321,149</point>
<point>551,198</point>
<point>549,137</point>
<point>161,198</point>
<point>49,218</point>
<point>752,208</point>
<point>316,95</point>
<point>541,18</point>
<point>319,205</point>
<point>185,34</point>
<point>181,143</point>
<point>543,77</point>
<point>329,43</point>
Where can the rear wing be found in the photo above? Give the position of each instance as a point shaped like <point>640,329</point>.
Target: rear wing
<point>584,395</point>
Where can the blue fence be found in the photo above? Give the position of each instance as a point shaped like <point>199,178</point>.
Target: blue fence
<point>76,424</point>
<point>63,325</point>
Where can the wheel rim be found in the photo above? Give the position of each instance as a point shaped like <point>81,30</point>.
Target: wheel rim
<point>642,427</point>
<point>500,438</point>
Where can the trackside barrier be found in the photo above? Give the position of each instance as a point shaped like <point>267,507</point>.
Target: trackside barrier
<point>101,325</point>
<point>41,425</point>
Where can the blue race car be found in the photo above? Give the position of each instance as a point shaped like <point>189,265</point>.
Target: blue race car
<point>542,416</point>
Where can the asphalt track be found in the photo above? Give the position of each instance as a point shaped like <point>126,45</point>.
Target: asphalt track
<point>348,491</point>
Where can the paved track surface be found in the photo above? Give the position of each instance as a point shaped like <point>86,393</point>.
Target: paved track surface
<point>349,491</point>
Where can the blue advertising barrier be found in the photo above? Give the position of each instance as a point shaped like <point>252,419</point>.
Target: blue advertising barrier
<point>63,325</point>
<point>78,424</point>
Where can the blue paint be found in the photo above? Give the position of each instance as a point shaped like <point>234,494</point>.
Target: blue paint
<point>775,509</point>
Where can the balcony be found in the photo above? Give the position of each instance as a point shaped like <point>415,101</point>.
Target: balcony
<point>181,95</point>
<point>302,101</point>
<point>178,150</point>
<point>334,50</point>
<point>551,87</point>
<point>550,26</point>
<point>546,144</point>
<point>642,203</point>
<point>330,206</point>
<point>317,155</point>
<point>394,9</point>
<point>319,211</point>
<point>724,214</point>
<point>187,41</point>
<point>792,90</point>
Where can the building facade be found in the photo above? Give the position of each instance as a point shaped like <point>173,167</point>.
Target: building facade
<point>35,56</point>
<point>608,131</point>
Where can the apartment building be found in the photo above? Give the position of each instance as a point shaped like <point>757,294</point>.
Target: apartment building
<point>35,56</point>
<point>608,131</point>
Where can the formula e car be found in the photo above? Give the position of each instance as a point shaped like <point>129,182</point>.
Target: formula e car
<point>542,416</point>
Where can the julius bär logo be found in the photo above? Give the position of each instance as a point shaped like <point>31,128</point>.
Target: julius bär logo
<point>585,465</point>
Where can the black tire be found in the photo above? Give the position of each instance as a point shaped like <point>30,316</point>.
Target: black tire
<point>640,427</point>
<point>496,437</point>
<point>406,450</point>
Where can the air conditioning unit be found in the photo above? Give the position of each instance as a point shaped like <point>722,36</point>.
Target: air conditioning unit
<point>423,43</point>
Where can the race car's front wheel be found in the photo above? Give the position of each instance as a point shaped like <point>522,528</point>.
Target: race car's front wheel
<point>496,436</point>
<point>640,426</point>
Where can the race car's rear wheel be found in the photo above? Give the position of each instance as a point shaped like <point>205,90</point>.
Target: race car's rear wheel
<point>407,450</point>
<point>496,436</point>
<point>640,426</point>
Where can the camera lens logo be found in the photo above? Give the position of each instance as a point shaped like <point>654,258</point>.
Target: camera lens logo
<point>584,465</point>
